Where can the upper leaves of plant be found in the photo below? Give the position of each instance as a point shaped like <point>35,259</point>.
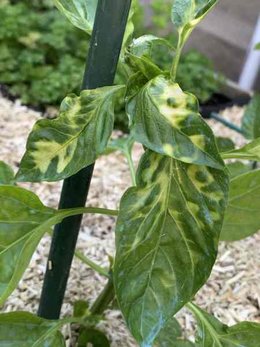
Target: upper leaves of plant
<point>80,13</point>
<point>166,239</point>
<point>171,336</point>
<point>257,46</point>
<point>211,332</point>
<point>251,119</point>
<point>61,147</point>
<point>166,120</point>
<point>242,217</point>
<point>6,174</point>
<point>251,151</point>
<point>26,330</point>
<point>186,14</point>
<point>139,55</point>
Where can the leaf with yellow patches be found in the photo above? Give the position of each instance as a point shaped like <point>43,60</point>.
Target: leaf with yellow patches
<point>166,238</point>
<point>167,121</point>
<point>59,148</point>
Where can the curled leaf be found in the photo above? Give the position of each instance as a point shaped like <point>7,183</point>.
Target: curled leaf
<point>59,148</point>
<point>167,121</point>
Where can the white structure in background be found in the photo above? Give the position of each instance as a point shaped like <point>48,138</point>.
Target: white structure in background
<point>252,65</point>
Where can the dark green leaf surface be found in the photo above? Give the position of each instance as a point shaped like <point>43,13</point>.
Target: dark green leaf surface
<point>93,337</point>
<point>166,239</point>
<point>170,336</point>
<point>251,151</point>
<point>242,217</point>
<point>6,174</point>
<point>61,147</point>
<point>251,119</point>
<point>80,13</point>
<point>225,144</point>
<point>166,120</point>
<point>212,333</point>
<point>22,329</point>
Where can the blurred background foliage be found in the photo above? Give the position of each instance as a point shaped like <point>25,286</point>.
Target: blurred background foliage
<point>42,56</point>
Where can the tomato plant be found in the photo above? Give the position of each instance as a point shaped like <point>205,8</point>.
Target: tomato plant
<point>170,220</point>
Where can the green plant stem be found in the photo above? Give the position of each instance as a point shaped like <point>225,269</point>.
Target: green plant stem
<point>176,59</point>
<point>131,167</point>
<point>104,299</point>
<point>91,264</point>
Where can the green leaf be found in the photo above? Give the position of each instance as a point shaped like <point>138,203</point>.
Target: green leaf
<point>81,308</point>
<point>123,144</point>
<point>61,147</point>
<point>211,332</point>
<point>26,330</point>
<point>23,222</point>
<point>237,168</point>
<point>94,337</point>
<point>80,13</point>
<point>166,120</point>
<point>166,240</point>
<point>257,46</point>
<point>186,14</point>
<point>251,151</point>
<point>251,119</point>
<point>242,217</point>
<point>6,174</point>
<point>225,144</point>
<point>170,336</point>
<point>139,55</point>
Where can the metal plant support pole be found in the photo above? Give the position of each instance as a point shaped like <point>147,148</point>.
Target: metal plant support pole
<point>105,46</point>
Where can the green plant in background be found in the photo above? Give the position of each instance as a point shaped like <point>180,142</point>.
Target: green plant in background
<point>41,55</point>
<point>169,222</point>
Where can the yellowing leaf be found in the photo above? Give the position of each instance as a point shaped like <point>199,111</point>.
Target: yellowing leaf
<point>166,239</point>
<point>59,148</point>
<point>166,120</point>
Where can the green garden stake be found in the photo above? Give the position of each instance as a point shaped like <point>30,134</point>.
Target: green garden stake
<point>105,47</point>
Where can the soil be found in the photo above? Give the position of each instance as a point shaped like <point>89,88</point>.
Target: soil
<point>232,293</point>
